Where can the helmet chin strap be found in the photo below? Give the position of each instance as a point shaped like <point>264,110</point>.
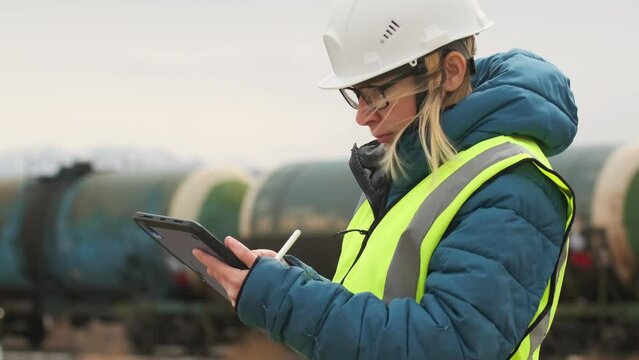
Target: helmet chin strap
<point>420,97</point>
<point>419,69</point>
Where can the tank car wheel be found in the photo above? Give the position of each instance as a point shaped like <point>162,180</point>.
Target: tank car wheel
<point>617,339</point>
<point>191,332</point>
<point>36,331</point>
<point>80,321</point>
<point>142,333</point>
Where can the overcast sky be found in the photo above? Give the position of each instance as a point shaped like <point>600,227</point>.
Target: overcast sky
<point>236,81</point>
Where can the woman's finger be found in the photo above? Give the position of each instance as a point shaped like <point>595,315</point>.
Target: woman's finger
<point>211,262</point>
<point>242,252</point>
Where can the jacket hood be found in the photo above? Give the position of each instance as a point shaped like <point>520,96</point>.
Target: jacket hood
<point>516,93</point>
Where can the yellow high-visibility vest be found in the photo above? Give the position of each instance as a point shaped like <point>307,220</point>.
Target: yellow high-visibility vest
<point>394,261</point>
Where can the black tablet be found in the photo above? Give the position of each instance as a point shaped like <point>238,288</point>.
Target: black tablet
<point>179,237</point>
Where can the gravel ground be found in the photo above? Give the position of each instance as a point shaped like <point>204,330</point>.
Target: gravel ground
<point>107,341</point>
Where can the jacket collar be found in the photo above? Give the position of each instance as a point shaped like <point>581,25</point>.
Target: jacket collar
<point>373,182</point>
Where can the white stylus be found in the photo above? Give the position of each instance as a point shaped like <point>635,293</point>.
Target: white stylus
<point>288,244</point>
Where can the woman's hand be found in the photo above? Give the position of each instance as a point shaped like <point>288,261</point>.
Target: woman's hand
<point>229,277</point>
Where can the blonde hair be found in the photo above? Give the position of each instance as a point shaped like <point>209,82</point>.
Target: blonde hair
<point>434,141</point>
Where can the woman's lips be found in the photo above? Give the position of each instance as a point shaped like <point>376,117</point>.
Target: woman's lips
<point>385,138</point>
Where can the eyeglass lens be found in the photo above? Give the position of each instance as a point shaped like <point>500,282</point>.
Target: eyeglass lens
<point>372,96</point>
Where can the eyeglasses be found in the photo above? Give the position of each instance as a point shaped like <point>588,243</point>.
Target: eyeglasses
<point>373,96</point>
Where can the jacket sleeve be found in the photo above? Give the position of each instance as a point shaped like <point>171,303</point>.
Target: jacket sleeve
<point>485,281</point>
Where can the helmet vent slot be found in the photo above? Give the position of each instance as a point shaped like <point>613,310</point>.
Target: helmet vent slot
<point>393,27</point>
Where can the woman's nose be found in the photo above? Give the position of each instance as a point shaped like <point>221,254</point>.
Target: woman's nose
<point>365,115</point>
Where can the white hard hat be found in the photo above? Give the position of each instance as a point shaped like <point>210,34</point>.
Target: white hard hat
<point>367,38</point>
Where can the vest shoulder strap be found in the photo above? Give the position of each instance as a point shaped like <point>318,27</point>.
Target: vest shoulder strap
<point>482,162</point>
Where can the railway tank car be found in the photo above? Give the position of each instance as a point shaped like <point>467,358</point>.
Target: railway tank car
<point>319,198</point>
<point>70,246</point>
<point>26,209</point>
<point>606,182</point>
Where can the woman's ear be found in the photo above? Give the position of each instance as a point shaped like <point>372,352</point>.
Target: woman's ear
<point>455,69</point>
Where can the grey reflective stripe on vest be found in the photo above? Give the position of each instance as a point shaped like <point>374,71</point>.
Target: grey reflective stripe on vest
<point>403,273</point>
<point>538,334</point>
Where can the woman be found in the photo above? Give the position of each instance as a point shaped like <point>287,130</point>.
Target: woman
<point>458,249</point>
